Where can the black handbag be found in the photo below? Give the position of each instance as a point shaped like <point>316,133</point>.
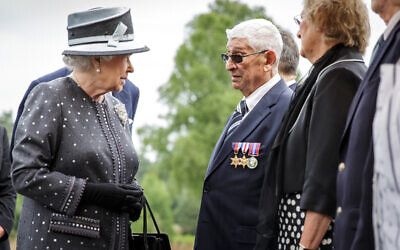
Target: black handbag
<point>149,241</point>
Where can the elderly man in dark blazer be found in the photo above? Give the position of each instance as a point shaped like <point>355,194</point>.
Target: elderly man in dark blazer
<point>232,185</point>
<point>289,60</point>
<point>353,229</point>
<point>7,192</point>
<point>129,96</point>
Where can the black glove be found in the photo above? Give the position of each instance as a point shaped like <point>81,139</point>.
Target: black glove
<point>133,203</point>
<point>110,195</point>
<point>134,207</point>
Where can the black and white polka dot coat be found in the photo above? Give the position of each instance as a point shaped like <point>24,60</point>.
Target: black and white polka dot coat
<point>63,140</point>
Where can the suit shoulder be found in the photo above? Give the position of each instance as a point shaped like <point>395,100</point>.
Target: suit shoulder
<point>53,75</point>
<point>130,86</point>
<point>3,131</point>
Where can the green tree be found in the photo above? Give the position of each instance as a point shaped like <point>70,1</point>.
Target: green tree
<point>160,201</point>
<point>200,98</point>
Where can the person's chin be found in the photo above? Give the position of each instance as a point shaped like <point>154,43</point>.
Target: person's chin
<point>236,84</point>
<point>302,53</point>
<point>118,88</point>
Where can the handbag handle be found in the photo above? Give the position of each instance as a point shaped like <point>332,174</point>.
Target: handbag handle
<point>145,207</point>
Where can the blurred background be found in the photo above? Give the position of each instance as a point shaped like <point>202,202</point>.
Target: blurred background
<point>185,92</point>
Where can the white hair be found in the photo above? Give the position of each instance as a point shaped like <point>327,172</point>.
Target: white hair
<point>81,62</point>
<point>261,35</point>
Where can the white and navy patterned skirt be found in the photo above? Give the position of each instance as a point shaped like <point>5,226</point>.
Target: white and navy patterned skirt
<point>291,221</point>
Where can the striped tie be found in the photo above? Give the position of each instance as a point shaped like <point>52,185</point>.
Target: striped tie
<point>239,113</point>
<point>377,46</point>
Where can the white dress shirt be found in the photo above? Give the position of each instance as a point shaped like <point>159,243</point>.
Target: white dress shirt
<point>255,97</point>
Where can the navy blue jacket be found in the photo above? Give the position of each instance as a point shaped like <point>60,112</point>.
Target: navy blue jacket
<point>229,207</point>
<point>7,192</point>
<point>353,227</point>
<point>293,86</point>
<point>129,96</point>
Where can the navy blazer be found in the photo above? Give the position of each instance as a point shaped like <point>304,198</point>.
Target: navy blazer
<point>129,95</point>
<point>229,207</point>
<point>7,192</point>
<point>293,86</point>
<point>353,227</point>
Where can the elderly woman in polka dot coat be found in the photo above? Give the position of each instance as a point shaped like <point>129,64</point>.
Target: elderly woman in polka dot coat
<point>74,160</point>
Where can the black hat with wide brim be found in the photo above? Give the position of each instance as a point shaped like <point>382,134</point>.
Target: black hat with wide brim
<point>102,32</point>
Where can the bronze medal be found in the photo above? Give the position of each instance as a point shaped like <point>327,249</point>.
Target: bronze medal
<point>235,161</point>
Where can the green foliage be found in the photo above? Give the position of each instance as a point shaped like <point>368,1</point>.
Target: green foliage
<point>185,212</point>
<point>6,120</point>
<point>184,238</point>
<point>200,98</point>
<point>160,201</point>
<point>16,216</point>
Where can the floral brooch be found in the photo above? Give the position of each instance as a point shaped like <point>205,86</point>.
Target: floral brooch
<point>121,112</point>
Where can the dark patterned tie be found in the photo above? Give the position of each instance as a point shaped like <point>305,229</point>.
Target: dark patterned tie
<point>376,48</point>
<point>239,113</point>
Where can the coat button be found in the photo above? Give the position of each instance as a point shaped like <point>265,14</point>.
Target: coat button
<point>338,211</point>
<point>341,167</point>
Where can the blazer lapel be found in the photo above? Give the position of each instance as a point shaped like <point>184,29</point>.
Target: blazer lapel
<point>370,72</point>
<point>218,146</point>
<point>253,119</point>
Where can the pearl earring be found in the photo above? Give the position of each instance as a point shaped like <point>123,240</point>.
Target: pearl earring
<point>98,70</point>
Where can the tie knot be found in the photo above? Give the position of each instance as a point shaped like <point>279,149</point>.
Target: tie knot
<point>380,40</point>
<point>242,107</point>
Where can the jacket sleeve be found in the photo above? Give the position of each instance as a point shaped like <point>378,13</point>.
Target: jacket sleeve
<point>38,136</point>
<point>7,192</point>
<point>331,101</point>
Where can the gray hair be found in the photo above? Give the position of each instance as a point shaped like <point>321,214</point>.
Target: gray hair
<point>261,34</point>
<point>290,55</point>
<point>81,62</point>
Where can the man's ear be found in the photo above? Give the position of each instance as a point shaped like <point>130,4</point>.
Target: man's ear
<point>270,60</point>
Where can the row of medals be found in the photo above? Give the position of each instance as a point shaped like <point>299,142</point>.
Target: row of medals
<point>243,161</point>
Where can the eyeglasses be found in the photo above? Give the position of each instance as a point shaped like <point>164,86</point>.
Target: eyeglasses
<point>298,19</point>
<point>236,58</point>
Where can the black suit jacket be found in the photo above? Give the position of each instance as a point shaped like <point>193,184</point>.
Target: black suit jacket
<point>7,192</point>
<point>353,228</point>
<point>310,153</point>
<point>229,206</point>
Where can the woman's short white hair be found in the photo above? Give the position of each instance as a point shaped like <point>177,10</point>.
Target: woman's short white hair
<point>261,34</point>
<point>81,62</point>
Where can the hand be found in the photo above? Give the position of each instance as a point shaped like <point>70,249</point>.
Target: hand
<point>315,227</point>
<point>134,207</point>
<point>2,232</point>
<point>133,203</point>
<point>109,195</point>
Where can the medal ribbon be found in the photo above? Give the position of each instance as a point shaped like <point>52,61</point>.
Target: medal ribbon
<point>236,146</point>
<point>254,148</point>
<point>245,147</point>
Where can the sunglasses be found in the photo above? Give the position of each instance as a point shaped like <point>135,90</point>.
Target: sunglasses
<point>236,58</point>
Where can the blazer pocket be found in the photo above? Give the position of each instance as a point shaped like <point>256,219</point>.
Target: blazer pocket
<point>75,225</point>
<point>246,235</point>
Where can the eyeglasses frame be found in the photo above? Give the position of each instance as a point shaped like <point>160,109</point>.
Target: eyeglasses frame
<point>298,19</point>
<point>225,56</point>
